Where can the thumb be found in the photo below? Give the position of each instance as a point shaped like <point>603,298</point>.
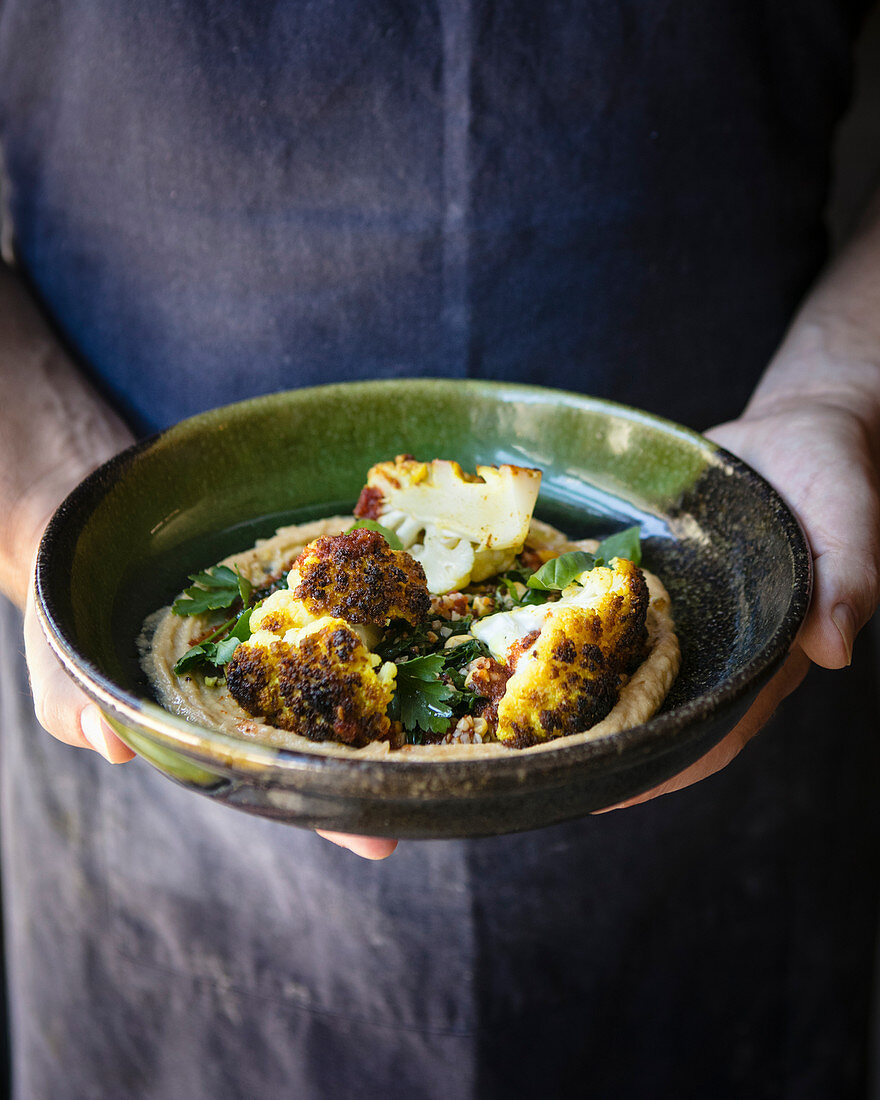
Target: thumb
<point>839,508</point>
<point>845,595</point>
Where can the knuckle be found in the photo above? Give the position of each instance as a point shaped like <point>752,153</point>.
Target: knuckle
<point>56,712</point>
<point>48,714</point>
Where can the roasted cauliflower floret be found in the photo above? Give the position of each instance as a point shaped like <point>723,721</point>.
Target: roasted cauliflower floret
<point>307,666</point>
<point>568,657</point>
<point>359,578</point>
<point>619,595</point>
<point>355,576</point>
<point>462,528</point>
<point>562,683</point>
<point>618,592</point>
<point>319,681</point>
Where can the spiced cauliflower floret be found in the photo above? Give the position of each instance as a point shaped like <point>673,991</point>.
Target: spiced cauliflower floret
<point>461,527</point>
<point>355,576</point>
<point>307,666</point>
<point>561,684</point>
<point>618,593</point>
<point>568,657</point>
<point>319,681</point>
<point>359,578</point>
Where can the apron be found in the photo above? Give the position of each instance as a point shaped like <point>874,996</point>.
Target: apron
<point>213,202</point>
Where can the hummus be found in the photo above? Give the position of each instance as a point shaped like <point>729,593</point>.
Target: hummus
<point>207,702</point>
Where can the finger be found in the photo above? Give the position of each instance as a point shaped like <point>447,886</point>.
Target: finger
<point>101,737</point>
<point>845,592</point>
<point>783,684</point>
<point>61,708</point>
<point>369,847</point>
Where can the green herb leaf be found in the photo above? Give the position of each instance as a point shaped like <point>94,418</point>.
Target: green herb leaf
<point>197,656</point>
<point>217,649</point>
<point>558,573</point>
<point>239,633</point>
<point>510,584</point>
<point>456,657</point>
<point>245,589</point>
<point>430,689</point>
<point>371,525</point>
<point>421,697</point>
<point>520,576</point>
<point>535,596</point>
<point>213,589</point>
<point>623,544</point>
<point>402,638</point>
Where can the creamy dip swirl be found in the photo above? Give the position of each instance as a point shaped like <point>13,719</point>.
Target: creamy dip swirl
<point>167,637</point>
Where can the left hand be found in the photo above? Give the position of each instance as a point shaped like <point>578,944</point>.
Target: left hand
<point>818,454</point>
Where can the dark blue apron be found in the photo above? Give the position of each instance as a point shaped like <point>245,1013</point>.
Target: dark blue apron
<point>217,200</point>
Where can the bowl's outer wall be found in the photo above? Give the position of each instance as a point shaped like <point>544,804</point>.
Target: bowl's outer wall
<point>410,815</point>
<point>729,552</point>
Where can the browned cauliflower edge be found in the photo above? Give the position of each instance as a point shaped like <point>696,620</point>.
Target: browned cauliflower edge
<point>358,577</point>
<point>461,527</point>
<point>569,677</point>
<point>319,681</point>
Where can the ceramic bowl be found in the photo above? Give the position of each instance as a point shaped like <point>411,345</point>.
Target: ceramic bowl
<point>731,554</point>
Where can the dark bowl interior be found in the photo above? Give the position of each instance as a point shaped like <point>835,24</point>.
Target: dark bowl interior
<point>731,554</point>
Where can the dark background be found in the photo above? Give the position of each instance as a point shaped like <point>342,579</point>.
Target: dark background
<point>857,177</point>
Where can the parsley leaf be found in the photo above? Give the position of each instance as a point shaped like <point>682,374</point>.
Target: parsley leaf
<point>213,589</point>
<point>371,525</point>
<point>217,649</point>
<point>421,697</point>
<point>430,690</point>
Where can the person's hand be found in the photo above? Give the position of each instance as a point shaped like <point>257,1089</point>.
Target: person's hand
<point>61,708</point>
<point>818,454</point>
<point>369,847</point>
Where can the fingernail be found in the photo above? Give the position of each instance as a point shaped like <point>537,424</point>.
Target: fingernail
<point>93,729</point>
<point>845,621</point>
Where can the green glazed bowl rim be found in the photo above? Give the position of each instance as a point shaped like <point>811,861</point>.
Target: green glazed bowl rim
<point>664,732</point>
